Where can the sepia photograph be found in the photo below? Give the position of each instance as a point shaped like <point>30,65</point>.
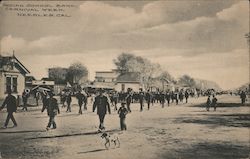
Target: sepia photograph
<point>124,79</point>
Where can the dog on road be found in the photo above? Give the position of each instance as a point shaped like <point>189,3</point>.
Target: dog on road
<point>110,139</point>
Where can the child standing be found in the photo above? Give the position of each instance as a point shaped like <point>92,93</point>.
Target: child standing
<point>122,114</point>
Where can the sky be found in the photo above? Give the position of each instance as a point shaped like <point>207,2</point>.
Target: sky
<point>204,39</point>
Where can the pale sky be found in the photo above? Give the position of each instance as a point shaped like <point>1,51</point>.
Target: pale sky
<point>204,39</point>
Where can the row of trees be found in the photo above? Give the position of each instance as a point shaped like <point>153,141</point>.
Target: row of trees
<point>150,73</point>
<point>74,74</point>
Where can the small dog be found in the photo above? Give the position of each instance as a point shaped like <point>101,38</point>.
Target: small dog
<point>110,139</point>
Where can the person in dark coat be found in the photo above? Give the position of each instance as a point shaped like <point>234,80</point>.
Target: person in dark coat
<point>81,99</point>
<point>141,99</point>
<point>148,98</point>
<point>128,98</point>
<point>102,104</point>
<point>214,102</point>
<point>122,114</point>
<point>168,97</point>
<point>115,97</point>
<point>186,95</point>
<point>25,96</point>
<point>243,97</point>
<point>68,101</point>
<point>44,100</point>
<point>11,103</point>
<point>181,96</point>
<point>52,110</point>
<point>208,104</point>
<point>162,99</point>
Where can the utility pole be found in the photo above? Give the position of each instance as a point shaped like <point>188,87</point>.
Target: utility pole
<point>247,36</point>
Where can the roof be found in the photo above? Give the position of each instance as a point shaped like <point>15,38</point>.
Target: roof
<point>10,60</point>
<point>129,77</point>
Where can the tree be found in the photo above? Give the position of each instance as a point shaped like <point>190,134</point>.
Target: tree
<point>58,74</point>
<point>76,72</point>
<point>187,81</point>
<point>122,62</point>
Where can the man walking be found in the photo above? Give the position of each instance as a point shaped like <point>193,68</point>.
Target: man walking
<point>128,99</point>
<point>102,105</point>
<point>141,99</point>
<point>11,103</point>
<point>52,110</point>
<point>243,97</point>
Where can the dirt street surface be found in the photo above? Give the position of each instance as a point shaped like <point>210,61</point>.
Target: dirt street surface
<point>184,131</point>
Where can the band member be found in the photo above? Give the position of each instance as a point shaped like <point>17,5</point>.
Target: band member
<point>102,105</point>
<point>129,96</point>
<point>52,110</point>
<point>148,97</point>
<point>11,104</point>
<point>141,99</point>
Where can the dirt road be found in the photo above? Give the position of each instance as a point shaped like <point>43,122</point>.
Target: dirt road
<point>178,131</point>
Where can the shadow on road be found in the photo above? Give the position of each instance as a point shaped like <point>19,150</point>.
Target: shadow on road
<point>97,150</point>
<point>223,105</point>
<point>70,135</point>
<point>231,120</point>
<point>206,150</point>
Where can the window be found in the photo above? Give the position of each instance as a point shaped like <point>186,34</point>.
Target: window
<point>11,84</point>
<point>8,83</point>
<point>14,84</point>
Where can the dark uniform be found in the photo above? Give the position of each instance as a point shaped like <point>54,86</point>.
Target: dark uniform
<point>68,100</point>
<point>186,96</point>
<point>148,98</point>
<point>162,99</point>
<point>81,99</point>
<point>141,99</point>
<point>102,105</point>
<point>129,96</point>
<point>11,103</point>
<point>243,97</point>
<point>168,96</point>
<point>52,110</point>
<point>122,114</point>
<point>214,102</point>
<point>25,100</point>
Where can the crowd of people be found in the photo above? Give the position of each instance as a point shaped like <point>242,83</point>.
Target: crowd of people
<point>102,100</point>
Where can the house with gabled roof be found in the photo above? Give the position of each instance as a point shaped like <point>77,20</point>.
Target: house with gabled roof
<point>12,75</point>
<point>127,80</point>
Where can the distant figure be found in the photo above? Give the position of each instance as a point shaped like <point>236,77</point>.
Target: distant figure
<point>186,96</point>
<point>11,104</point>
<point>208,103</point>
<point>102,105</point>
<point>25,96</point>
<point>80,97</point>
<point>148,98</point>
<point>128,98</point>
<point>52,110</point>
<point>243,97</point>
<point>162,99</point>
<point>176,96</point>
<point>122,114</point>
<point>168,97</point>
<point>115,97</point>
<point>181,96</point>
<point>214,102</point>
<point>44,100</point>
<point>68,101</point>
<point>37,96</point>
<point>141,99</point>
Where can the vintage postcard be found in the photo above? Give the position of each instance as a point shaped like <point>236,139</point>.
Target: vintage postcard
<point>165,79</point>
